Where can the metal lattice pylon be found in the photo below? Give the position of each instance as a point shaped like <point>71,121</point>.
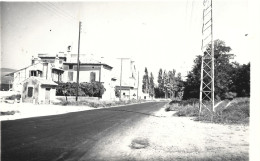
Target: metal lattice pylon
<point>207,65</point>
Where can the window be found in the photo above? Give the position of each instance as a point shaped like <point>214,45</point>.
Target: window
<point>70,66</point>
<point>33,73</point>
<point>92,77</point>
<point>30,92</point>
<point>70,76</point>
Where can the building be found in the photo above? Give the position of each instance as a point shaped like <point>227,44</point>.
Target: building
<point>127,81</point>
<point>38,90</point>
<point>91,72</point>
<point>38,80</point>
<point>42,69</point>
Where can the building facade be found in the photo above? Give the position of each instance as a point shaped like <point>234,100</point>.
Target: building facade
<point>38,80</point>
<point>127,78</point>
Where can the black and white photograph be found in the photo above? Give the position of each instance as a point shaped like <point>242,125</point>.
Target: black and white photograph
<point>114,80</point>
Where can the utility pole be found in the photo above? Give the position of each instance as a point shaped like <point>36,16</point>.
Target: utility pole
<point>121,71</point>
<point>207,64</point>
<point>77,89</point>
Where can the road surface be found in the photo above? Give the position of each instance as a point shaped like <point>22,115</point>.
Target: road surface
<point>68,136</point>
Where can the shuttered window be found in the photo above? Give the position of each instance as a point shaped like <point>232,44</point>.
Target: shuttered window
<point>70,76</point>
<point>92,77</point>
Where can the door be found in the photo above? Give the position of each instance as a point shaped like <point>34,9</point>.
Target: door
<point>47,95</point>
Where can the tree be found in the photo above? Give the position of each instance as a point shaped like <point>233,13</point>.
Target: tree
<point>93,89</point>
<point>145,86</point>
<point>160,79</point>
<point>165,83</point>
<point>241,80</point>
<point>223,71</point>
<point>151,85</point>
<point>172,84</point>
<point>180,86</point>
<point>67,89</point>
<point>159,90</point>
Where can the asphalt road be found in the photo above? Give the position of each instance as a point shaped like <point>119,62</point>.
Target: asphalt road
<point>68,136</point>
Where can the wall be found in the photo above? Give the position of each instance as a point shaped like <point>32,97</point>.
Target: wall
<point>129,75</point>
<point>109,85</point>
<point>35,94</point>
<point>84,73</point>
<point>73,98</point>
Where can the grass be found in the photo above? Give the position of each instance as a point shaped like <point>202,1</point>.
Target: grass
<point>236,111</point>
<point>96,103</point>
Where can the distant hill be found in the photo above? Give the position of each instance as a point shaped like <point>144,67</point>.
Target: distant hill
<point>5,71</point>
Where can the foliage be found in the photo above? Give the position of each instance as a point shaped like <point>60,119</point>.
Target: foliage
<point>227,112</point>
<point>160,80</point>
<point>66,89</point>
<point>165,83</point>
<point>151,85</point>
<point>8,113</point>
<point>117,92</point>
<point>13,97</point>
<point>230,78</point>
<point>158,92</point>
<point>169,86</point>
<point>95,103</point>
<point>93,89</point>
<point>145,86</point>
<point>241,80</point>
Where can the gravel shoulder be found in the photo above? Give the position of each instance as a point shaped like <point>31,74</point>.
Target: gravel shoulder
<point>164,137</point>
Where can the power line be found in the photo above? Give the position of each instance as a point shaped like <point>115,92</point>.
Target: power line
<point>63,11</point>
<point>55,12</point>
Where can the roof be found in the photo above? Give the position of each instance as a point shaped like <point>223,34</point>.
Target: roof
<point>124,87</point>
<point>10,74</point>
<point>42,81</point>
<point>57,69</point>
<point>99,64</point>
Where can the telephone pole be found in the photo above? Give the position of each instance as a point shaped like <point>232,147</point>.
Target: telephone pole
<point>78,63</point>
<point>207,64</point>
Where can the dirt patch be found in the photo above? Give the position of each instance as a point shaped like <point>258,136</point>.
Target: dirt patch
<point>175,138</point>
<point>139,143</point>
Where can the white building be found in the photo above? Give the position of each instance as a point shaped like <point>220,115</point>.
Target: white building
<point>62,68</point>
<point>127,78</point>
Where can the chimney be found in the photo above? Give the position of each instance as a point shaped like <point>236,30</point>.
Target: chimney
<point>56,62</point>
<point>45,70</point>
<point>33,61</point>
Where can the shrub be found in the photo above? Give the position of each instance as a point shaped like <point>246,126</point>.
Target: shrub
<point>237,111</point>
<point>8,113</point>
<point>13,97</point>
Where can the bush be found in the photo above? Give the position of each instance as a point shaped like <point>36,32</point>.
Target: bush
<point>13,97</point>
<point>8,113</point>
<point>237,111</point>
<point>230,95</point>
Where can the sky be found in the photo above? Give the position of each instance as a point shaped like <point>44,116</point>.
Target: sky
<point>155,34</point>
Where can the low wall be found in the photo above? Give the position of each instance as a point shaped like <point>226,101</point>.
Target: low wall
<point>73,98</point>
